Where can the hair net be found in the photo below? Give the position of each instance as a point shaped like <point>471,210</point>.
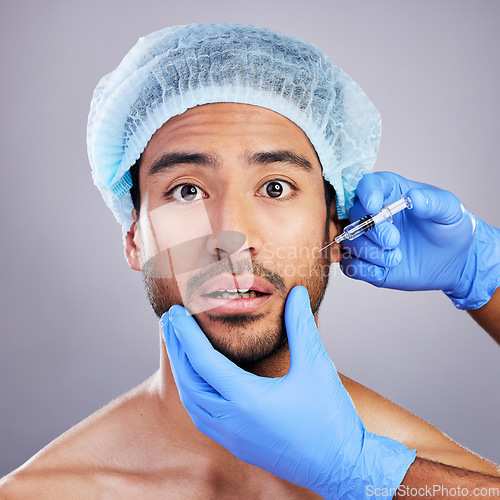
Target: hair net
<point>177,68</point>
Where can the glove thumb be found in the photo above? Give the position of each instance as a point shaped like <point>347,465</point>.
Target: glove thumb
<point>303,338</point>
<point>437,205</point>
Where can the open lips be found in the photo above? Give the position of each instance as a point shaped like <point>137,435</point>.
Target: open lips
<point>236,293</point>
<point>230,286</point>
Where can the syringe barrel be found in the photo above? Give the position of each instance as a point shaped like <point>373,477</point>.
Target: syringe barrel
<point>359,227</point>
<point>388,211</point>
<point>401,204</point>
<point>368,222</point>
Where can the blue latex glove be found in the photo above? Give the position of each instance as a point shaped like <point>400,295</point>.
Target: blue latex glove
<point>302,427</point>
<point>436,245</point>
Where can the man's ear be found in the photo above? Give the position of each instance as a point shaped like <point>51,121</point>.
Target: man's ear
<point>133,245</point>
<point>335,228</point>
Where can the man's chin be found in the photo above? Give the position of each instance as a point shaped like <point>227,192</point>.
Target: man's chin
<point>247,358</point>
<point>242,338</point>
<point>239,321</point>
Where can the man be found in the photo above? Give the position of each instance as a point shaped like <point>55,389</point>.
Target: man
<point>211,144</point>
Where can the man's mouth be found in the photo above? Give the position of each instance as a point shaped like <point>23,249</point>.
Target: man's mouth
<point>235,293</point>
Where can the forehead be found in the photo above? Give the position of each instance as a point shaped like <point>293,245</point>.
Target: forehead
<point>228,128</point>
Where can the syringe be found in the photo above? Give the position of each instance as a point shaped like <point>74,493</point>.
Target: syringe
<point>368,222</point>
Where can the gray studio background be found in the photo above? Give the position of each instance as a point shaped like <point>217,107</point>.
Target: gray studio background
<point>76,328</point>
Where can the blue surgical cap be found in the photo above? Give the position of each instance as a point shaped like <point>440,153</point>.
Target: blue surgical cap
<point>177,68</point>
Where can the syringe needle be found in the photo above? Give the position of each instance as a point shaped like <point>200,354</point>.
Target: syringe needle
<point>329,244</point>
<point>337,239</point>
<point>368,222</point>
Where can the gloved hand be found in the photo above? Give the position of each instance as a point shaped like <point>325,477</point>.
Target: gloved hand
<point>302,427</point>
<point>436,245</point>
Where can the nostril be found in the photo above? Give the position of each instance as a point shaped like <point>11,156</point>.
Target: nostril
<point>232,239</point>
<point>226,242</point>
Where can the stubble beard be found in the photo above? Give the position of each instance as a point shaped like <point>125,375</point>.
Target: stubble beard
<point>244,339</point>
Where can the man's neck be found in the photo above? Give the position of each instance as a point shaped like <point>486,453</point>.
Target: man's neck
<point>175,417</point>
<point>274,366</point>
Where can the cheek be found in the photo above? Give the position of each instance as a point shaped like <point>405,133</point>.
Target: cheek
<point>169,226</point>
<point>299,224</point>
<point>294,239</point>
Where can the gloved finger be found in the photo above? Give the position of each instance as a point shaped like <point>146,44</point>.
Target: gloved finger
<point>186,379</point>
<point>176,354</point>
<point>221,373</point>
<point>208,428</point>
<point>377,187</point>
<point>385,234</point>
<point>212,426</point>
<point>365,271</point>
<point>201,418</point>
<point>306,347</point>
<point>215,430</point>
<point>364,248</point>
<point>437,205</point>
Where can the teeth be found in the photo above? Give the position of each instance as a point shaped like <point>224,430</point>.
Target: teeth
<point>229,294</point>
<point>234,290</point>
<point>243,290</point>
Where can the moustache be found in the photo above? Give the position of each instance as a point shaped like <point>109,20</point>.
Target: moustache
<point>190,263</point>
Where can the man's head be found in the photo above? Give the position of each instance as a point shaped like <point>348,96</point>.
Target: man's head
<point>246,171</point>
<point>178,68</point>
<point>252,119</point>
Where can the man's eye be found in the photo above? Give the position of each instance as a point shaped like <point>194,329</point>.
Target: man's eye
<point>276,189</point>
<point>187,192</point>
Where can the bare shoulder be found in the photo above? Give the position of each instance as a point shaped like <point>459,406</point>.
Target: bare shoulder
<point>382,416</point>
<point>98,453</point>
<point>45,484</point>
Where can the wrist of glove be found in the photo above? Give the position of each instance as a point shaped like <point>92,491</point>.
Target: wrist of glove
<point>480,276</point>
<point>380,469</point>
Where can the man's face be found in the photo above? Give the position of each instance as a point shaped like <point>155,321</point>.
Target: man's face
<point>232,198</point>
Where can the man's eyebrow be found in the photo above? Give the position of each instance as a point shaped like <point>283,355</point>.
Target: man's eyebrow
<point>171,160</point>
<point>281,156</point>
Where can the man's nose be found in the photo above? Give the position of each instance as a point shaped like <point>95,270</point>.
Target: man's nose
<point>234,229</point>
<point>225,243</point>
